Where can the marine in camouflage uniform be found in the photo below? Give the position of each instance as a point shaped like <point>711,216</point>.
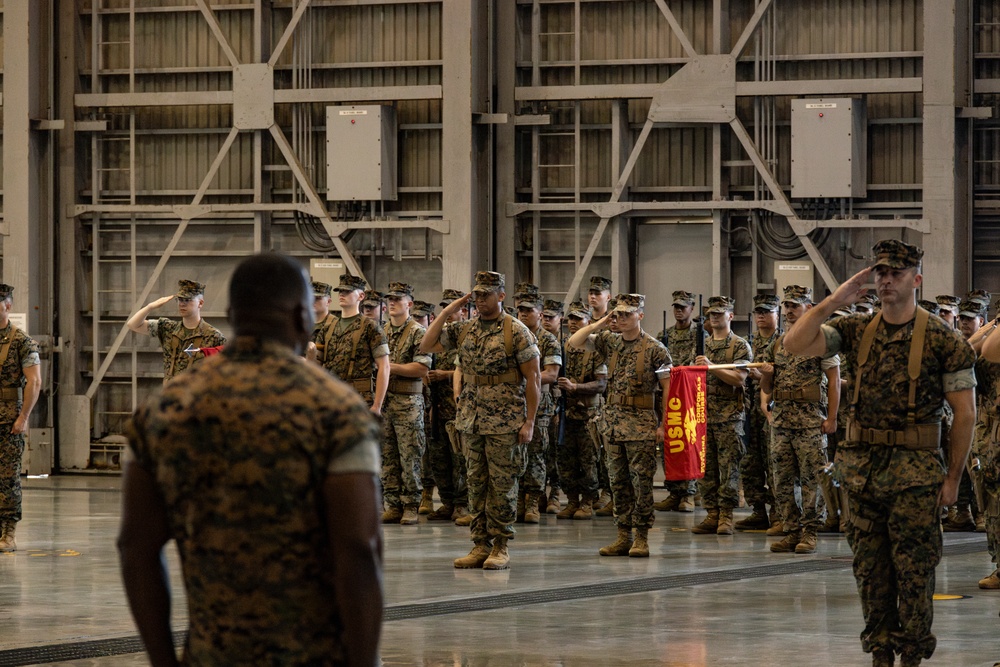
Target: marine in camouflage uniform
<point>176,337</point>
<point>835,496</point>
<point>444,445</point>
<point>352,347</point>
<point>726,414</point>
<point>532,484</point>
<point>403,418</point>
<point>755,470</point>
<point>552,315</point>
<point>631,425</point>
<point>498,358</point>
<point>584,382</point>
<point>681,342</point>
<point>891,461</point>
<point>799,387</point>
<point>421,313</point>
<point>986,451</point>
<point>20,383</point>
<point>238,450</point>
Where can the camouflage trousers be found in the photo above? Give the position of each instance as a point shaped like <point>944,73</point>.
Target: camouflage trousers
<point>448,465</point>
<point>603,482</point>
<point>989,458</point>
<point>797,458</point>
<point>495,464</point>
<point>553,478</point>
<point>896,540</point>
<point>631,466</point>
<point>11,451</point>
<point>534,472</point>
<point>755,470</point>
<point>402,448</point>
<point>578,460</point>
<point>426,467</point>
<point>724,449</point>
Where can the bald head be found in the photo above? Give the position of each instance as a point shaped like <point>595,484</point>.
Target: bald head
<point>270,297</point>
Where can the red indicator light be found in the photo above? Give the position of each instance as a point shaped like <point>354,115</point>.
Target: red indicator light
<point>821,115</point>
<point>352,120</point>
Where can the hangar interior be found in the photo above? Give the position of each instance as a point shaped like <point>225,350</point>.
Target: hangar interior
<point>718,146</point>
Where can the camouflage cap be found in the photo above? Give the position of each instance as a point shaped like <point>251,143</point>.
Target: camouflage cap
<point>629,303</point>
<point>766,302</point>
<point>931,307</point>
<point>188,289</point>
<point>980,296</point>
<point>721,304</point>
<point>612,302</point>
<point>948,302</point>
<point>552,308</point>
<point>844,311</point>
<point>579,310</point>
<point>422,309</point>
<point>525,289</point>
<point>797,294</point>
<point>487,281</point>
<point>529,300</point>
<point>869,300</point>
<point>373,298</point>
<point>321,289</point>
<point>682,298</point>
<point>510,310</point>
<point>969,308</point>
<point>349,283</point>
<point>398,289</point>
<point>599,284</point>
<point>896,254</point>
<point>5,291</point>
<point>450,295</point>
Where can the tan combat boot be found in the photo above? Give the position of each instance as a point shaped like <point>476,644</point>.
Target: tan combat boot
<point>442,513</point>
<point>571,507</point>
<point>476,557</point>
<point>607,510</point>
<point>709,524</point>
<point>585,511</point>
<point>462,516</point>
<point>531,514</point>
<point>410,516</point>
<point>788,544</point>
<point>603,500</point>
<point>499,558</point>
<point>686,504</point>
<point>640,547</point>
<point>961,523</point>
<point>392,515</point>
<point>7,536</point>
<point>756,521</point>
<point>427,501</point>
<point>619,547</point>
<point>553,505</point>
<point>777,528</point>
<point>807,543</point>
<point>669,504</point>
<point>991,582</point>
<point>725,521</point>
<point>459,512</point>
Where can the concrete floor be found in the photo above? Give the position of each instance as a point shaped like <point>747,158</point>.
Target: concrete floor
<point>699,600</point>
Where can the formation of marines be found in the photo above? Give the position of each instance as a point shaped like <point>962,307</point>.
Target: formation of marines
<point>847,415</point>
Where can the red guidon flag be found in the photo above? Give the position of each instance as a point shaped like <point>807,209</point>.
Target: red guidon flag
<point>684,424</point>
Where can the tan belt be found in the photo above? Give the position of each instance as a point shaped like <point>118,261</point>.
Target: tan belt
<point>510,377</point>
<point>810,394</point>
<point>641,402</point>
<point>546,389</point>
<point>10,394</point>
<point>592,401</point>
<point>361,384</point>
<point>407,386</point>
<point>916,437</point>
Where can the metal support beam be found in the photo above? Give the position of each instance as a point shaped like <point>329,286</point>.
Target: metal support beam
<point>213,23</point>
<point>214,169</point>
<point>676,27</point>
<point>748,32</point>
<point>287,34</point>
<point>505,157</point>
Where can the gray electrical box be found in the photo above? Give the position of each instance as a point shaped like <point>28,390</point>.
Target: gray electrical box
<point>829,148</point>
<point>361,153</point>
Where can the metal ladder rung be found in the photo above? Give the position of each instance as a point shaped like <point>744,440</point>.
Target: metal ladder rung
<point>557,166</point>
<point>555,34</point>
<point>103,260</point>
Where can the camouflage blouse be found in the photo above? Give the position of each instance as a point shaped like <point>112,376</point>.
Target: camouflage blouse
<point>341,357</point>
<point>724,406</point>
<point>239,448</point>
<point>681,344</point>
<point>792,372</point>
<point>174,338</point>
<point>486,409</point>
<point>551,354</point>
<point>626,422</point>
<point>22,353</point>
<point>582,365</point>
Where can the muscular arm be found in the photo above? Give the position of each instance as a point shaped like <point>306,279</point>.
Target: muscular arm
<point>550,374</point>
<point>33,374</point>
<point>579,339</point>
<point>142,535</point>
<point>353,512</point>
<point>414,369</point>
<point>805,337</point>
<point>532,393</point>
<point>963,403</point>
<point>138,323</point>
<point>381,383</point>
<point>833,396</point>
<point>990,350</point>
<point>432,337</point>
<point>597,386</point>
<point>978,339</point>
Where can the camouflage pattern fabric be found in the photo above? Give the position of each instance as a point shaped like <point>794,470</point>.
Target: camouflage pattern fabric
<point>338,360</point>
<point>725,407</point>
<point>755,469</point>
<point>22,353</point>
<point>490,409</point>
<point>579,455</point>
<point>447,462</point>
<point>797,457</point>
<point>174,338</point>
<point>239,447</point>
<point>895,556</point>
<point>495,463</point>
<point>538,448</point>
<point>681,344</point>
<point>793,372</point>
<point>629,431</point>
<point>894,490</point>
<point>403,422</point>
